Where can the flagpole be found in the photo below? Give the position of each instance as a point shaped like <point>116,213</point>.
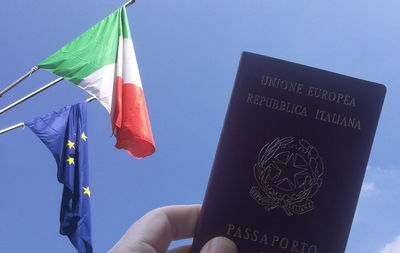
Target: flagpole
<point>2,131</point>
<point>11,128</point>
<point>90,99</point>
<point>31,95</point>
<point>33,70</point>
<point>129,3</point>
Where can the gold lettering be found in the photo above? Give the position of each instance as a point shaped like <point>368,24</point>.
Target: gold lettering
<point>319,93</point>
<point>292,87</point>
<point>238,232</point>
<point>340,97</point>
<point>283,84</point>
<point>324,95</point>
<point>294,248</point>
<point>247,233</point>
<point>275,105</point>
<point>327,117</point>
<point>337,119</point>
<point>299,88</point>
<point>255,236</point>
<point>304,245</point>
<point>289,107</point>
<point>343,122</point>
<point>274,82</point>
<point>346,100</point>
<point>353,102</point>
<point>301,110</point>
<point>331,96</point>
<point>358,125</point>
<point>314,249</point>
<point>264,239</point>
<point>310,91</point>
<point>282,106</point>
<point>284,243</point>
<point>230,228</point>
<point>268,104</point>
<point>274,240</point>
<point>249,98</point>
<point>351,122</point>
<point>316,114</point>
<point>264,80</point>
<point>263,99</point>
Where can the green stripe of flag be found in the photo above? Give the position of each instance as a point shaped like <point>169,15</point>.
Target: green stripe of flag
<point>91,51</point>
<point>126,33</point>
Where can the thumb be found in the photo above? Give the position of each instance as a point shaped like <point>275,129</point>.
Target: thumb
<point>219,245</point>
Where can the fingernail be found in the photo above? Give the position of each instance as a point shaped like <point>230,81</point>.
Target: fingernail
<point>219,245</point>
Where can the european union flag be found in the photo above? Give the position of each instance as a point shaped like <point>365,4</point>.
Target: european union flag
<point>64,132</point>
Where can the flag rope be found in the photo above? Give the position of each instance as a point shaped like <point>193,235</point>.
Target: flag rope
<point>23,125</point>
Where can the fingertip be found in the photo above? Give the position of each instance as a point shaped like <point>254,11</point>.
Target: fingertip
<point>219,245</point>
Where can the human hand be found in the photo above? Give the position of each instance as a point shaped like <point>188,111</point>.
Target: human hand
<point>154,232</point>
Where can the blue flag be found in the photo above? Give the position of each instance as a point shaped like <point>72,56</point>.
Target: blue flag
<point>64,132</point>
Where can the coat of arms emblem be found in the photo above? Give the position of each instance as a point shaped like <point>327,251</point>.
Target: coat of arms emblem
<point>288,174</point>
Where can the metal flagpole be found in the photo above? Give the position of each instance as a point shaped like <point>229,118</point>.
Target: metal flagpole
<point>129,3</point>
<point>22,124</point>
<point>90,99</point>
<point>11,128</point>
<point>33,70</point>
<point>31,95</point>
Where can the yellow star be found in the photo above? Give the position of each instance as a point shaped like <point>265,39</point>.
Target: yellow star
<point>70,160</point>
<point>83,136</point>
<point>86,191</point>
<point>71,144</point>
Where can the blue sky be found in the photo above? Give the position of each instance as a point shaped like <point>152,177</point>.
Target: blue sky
<point>188,53</point>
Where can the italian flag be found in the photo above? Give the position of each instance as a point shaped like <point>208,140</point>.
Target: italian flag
<point>102,61</point>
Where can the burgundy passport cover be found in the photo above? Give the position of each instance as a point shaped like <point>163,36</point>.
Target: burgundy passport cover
<point>291,158</point>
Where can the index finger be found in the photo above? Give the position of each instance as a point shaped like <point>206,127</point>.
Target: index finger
<point>154,232</point>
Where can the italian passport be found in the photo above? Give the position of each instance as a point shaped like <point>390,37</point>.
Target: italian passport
<point>291,158</point>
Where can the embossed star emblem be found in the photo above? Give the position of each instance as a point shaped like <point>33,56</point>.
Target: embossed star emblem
<point>292,169</point>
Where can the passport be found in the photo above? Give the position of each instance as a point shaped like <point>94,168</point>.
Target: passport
<point>291,158</point>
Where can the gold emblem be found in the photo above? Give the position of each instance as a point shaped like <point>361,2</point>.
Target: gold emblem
<point>288,173</point>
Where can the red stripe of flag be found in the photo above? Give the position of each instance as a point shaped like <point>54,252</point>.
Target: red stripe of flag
<point>131,124</point>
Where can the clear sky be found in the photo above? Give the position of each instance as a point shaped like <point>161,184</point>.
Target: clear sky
<point>188,53</point>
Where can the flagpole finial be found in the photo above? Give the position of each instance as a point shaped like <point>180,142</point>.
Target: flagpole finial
<point>90,99</point>
<point>129,3</point>
<point>34,69</point>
